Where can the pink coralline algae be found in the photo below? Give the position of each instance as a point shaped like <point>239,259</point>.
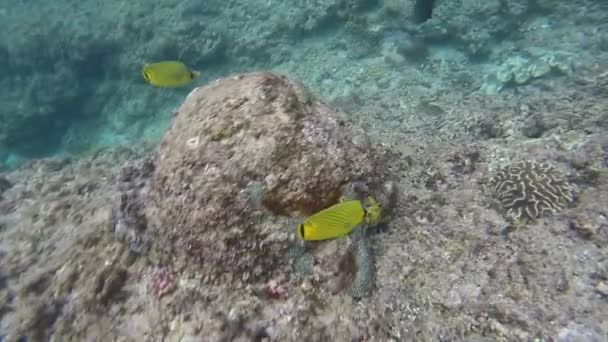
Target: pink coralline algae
<point>163,282</point>
<point>274,290</point>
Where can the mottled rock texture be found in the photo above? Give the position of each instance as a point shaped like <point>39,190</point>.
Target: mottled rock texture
<point>259,133</point>
<point>127,218</point>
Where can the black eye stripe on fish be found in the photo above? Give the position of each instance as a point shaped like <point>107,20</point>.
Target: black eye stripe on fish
<point>302,230</point>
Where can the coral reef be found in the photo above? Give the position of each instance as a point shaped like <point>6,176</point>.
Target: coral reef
<point>527,190</point>
<point>520,70</point>
<point>83,258</point>
<point>474,25</point>
<point>56,228</point>
<point>445,266</point>
<point>258,131</point>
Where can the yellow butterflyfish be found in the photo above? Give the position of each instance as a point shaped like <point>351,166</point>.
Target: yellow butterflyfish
<point>338,220</point>
<point>169,74</point>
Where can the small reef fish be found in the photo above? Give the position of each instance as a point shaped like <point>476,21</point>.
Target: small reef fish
<point>168,74</point>
<point>339,220</point>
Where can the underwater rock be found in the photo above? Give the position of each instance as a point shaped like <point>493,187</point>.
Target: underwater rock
<point>4,185</point>
<point>471,26</point>
<point>576,332</point>
<point>519,70</point>
<point>407,44</point>
<point>256,130</point>
<point>127,218</point>
<point>536,125</point>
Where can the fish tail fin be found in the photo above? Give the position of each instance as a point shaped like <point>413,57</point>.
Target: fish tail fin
<point>194,74</point>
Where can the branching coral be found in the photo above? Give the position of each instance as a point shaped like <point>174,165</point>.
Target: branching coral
<point>527,190</point>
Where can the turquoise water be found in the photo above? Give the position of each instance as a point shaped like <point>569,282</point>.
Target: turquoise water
<point>71,82</point>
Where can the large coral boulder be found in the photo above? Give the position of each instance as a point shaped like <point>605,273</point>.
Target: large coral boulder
<point>254,138</point>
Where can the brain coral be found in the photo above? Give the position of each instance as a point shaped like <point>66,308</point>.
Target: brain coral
<point>527,190</point>
<point>255,133</point>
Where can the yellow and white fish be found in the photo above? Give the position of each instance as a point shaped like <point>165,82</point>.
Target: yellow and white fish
<point>339,220</point>
<point>168,74</point>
